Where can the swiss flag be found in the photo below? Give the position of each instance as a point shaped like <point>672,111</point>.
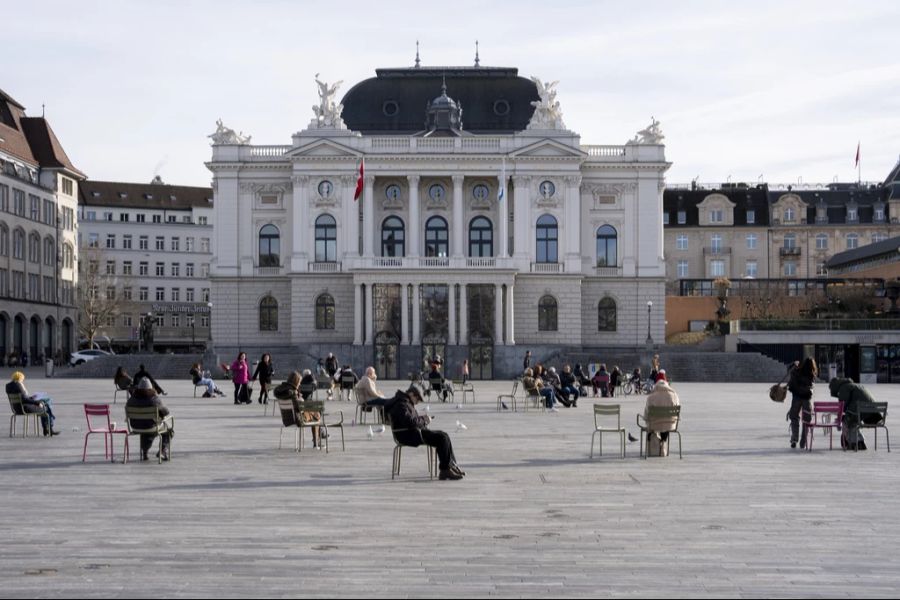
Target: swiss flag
<point>359,180</point>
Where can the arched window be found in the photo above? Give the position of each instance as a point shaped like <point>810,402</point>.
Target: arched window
<point>607,247</point>
<point>325,312</point>
<point>269,246</point>
<point>547,239</point>
<point>547,314</point>
<point>326,239</point>
<point>19,243</point>
<point>68,257</point>
<point>481,238</point>
<point>4,240</point>
<point>268,314</point>
<point>49,251</point>
<point>34,248</point>
<point>606,315</point>
<point>437,237</point>
<point>393,237</point>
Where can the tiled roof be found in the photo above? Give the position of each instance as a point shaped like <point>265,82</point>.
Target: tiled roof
<point>45,145</point>
<point>143,195</point>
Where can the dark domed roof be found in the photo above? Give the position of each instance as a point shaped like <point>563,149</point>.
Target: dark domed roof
<point>495,100</point>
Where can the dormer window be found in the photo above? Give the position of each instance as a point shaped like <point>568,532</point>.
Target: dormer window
<point>148,196</point>
<point>716,215</point>
<point>879,214</point>
<point>852,214</point>
<point>751,216</point>
<point>95,194</point>
<point>789,215</point>
<point>682,217</point>
<point>122,195</point>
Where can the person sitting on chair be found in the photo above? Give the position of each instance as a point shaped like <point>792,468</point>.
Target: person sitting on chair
<point>551,378</point>
<point>290,390</point>
<point>123,380</point>
<point>143,373</point>
<point>601,382</point>
<point>851,394</point>
<point>535,386</point>
<point>347,379</point>
<point>568,386</point>
<point>201,377</point>
<point>662,395</point>
<point>438,383</point>
<point>33,403</point>
<point>411,429</point>
<point>145,396</point>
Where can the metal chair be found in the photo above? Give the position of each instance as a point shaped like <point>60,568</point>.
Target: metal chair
<point>196,385</point>
<point>654,415</point>
<point>533,397</point>
<point>430,456</point>
<point>466,389</point>
<point>607,410</point>
<point>305,419</point>
<point>511,396</point>
<point>288,419</point>
<point>17,404</point>
<point>324,382</point>
<point>348,384</point>
<point>107,430</point>
<point>119,389</point>
<point>831,414</point>
<point>158,425</point>
<point>339,424</point>
<point>362,415</point>
<point>878,410</point>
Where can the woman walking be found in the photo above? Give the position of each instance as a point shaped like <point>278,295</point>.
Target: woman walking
<point>264,372</point>
<point>240,376</point>
<point>800,385</point>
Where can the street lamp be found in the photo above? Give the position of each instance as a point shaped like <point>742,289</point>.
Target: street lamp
<point>209,305</point>
<point>649,308</point>
<point>193,333</point>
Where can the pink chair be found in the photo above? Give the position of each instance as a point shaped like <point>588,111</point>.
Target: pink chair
<point>99,411</point>
<point>827,416</point>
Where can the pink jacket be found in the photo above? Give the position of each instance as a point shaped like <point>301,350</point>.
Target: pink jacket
<point>240,372</point>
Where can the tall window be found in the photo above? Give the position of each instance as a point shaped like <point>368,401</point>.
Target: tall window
<point>751,216</point>
<point>325,312</point>
<point>547,240</point>
<point>34,248</point>
<point>790,269</point>
<point>716,243</point>
<point>681,242</point>
<point>821,241</point>
<point>547,314</point>
<point>481,238</point>
<point>751,241</point>
<point>788,215</point>
<point>751,268</point>
<point>607,246</point>
<point>268,314</point>
<point>717,268</point>
<point>269,247</point>
<point>4,241</point>
<point>682,269</point>
<point>852,241</point>
<point>393,237</point>
<point>790,241</point>
<point>437,237</point>
<point>606,315</point>
<point>716,215</point>
<point>326,239</point>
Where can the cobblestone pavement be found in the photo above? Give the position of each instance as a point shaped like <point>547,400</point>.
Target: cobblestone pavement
<point>231,515</point>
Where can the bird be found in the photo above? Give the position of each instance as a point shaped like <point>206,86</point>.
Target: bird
<point>631,438</point>
<point>503,404</point>
<point>460,426</point>
<point>370,434</point>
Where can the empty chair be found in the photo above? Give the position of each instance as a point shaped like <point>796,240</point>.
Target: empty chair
<point>100,413</point>
<point>466,388</point>
<point>826,416</point>
<point>607,410</point>
<point>511,396</point>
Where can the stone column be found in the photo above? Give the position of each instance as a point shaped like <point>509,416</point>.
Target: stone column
<point>350,230</point>
<point>247,236</point>
<point>299,220</point>
<point>522,226</point>
<point>413,226</point>
<point>370,325</point>
<point>503,220</point>
<point>510,316</point>
<point>357,314</point>
<point>498,314</point>
<point>458,226</point>
<point>463,315</point>
<point>451,334</point>
<point>572,226</point>
<point>417,317</point>
<point>404,315</point>
<point>369,226</point>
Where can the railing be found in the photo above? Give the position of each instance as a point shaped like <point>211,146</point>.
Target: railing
<point>717,250</point>
<point>481,263</point>
<point>387,262</point>
<point>324,267</point>
<point>267,271</point>
<point>608,271</point>
<point>789,251</point>
<point>268,151</point>
<point>604,151</point>
<point>432,262</point>
<point>484,144</point>
<point>439,144</point>
<point>819,324</point>
<point>547,268</point>
<point>390,143</point>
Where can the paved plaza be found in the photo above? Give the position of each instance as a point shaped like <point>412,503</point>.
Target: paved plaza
<point>231,515</point>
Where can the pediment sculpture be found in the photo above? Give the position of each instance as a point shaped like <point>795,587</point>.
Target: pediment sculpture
<point>226,136</point>
<point>328,111</point>
<point>652,134</point>
<point>547,113</point>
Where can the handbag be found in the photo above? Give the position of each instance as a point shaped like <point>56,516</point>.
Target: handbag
<point>778,392</point>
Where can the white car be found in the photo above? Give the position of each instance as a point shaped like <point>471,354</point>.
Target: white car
<point>83,356</point>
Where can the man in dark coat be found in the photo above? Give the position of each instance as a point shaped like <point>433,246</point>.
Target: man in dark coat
<point>411,429</point>
<point>145,397</point>
<point>851,394</point>
<point>143,373</point>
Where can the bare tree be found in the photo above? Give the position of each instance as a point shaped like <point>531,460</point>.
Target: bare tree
<point>99,295</point>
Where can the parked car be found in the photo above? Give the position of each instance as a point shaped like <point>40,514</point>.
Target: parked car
<point>83,356</point>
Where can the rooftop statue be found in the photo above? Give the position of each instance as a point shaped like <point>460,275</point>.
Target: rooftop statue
<point>547,113</point>
<point>226,135</point>
<point>650,135</point>
<point>328,113</point>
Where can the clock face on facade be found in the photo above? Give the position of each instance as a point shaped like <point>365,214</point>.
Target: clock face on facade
<point>480,192</point>
<point>436,192</point>
<point>325,188</point>
<point>392,192</point>
<point>547,189</point>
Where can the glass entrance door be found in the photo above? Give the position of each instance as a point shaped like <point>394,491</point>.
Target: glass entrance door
<point>481,357</point>
<point>386,346</point>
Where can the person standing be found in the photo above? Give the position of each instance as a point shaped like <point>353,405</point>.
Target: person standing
<point>800,385</point>
<point>240,377</point>
<point>526,364</point>
<point>143,373</point>
<point>264,372</point>
<point>331,368</point>
<point>465,371</point>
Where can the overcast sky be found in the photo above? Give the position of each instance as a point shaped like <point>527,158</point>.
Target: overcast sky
<point>781,90</point>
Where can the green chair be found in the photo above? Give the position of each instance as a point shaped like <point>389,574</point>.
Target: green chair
<point>17,404</point>
<point>430,456</point>
<point>466,389</point>
<point>312,406</point>
<point>872,415</point>
<point>655,414</point>
<point>511,396</point>
<point>607,410</point>
<point>156,425</point>
<point>288,419</point>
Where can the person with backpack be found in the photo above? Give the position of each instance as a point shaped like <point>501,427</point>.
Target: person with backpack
<point>240,377</point>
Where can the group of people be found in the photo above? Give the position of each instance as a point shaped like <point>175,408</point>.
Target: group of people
<point>603,383</point>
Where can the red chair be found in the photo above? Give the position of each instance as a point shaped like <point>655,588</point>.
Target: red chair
<point>98,411</point>
<point>831,414</point>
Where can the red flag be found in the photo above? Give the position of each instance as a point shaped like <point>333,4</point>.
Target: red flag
<point>359,181</point>
<point>857,156</point>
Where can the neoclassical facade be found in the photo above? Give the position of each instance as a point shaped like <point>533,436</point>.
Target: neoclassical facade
<point>482,227</point>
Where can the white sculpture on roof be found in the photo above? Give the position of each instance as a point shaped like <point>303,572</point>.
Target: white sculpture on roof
<point>652,134</point>
<point>328,112</point>
<point>547,113</point>
<point>227,136</point>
